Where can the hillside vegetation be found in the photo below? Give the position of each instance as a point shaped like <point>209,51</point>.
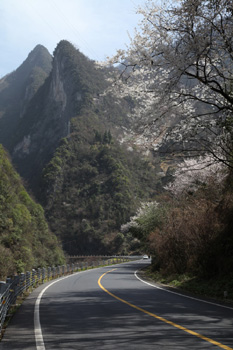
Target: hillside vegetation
<point>189,232</point>
<point>91,186</point>
<point>66,146</point>
<point>25,240</point>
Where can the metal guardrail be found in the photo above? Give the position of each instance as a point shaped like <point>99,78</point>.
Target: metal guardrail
<point>16,286</point>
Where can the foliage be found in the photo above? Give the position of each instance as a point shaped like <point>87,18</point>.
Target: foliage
<point>185,238</point>
<point>188,230</point>
<point>149,216</point>
<point>195,235</point>
<point>88,79</point>
<point>179,64</point>
<point>25,240</point>
<point>91,186</point>
<point>193,173</point>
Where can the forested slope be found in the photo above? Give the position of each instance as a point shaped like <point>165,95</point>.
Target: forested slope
<point>25,239</point>
<point>91,187</point>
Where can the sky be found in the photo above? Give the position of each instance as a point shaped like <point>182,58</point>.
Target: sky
<point>98,28</point>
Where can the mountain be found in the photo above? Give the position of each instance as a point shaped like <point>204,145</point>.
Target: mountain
<point>73,86</point>
<point>18,88</point>
<point>66,146</point>
<point>25,240</point>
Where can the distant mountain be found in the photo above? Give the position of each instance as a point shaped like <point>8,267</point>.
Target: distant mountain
<point>25,240</point>
<point>18,88</point>
<point>32,131</point>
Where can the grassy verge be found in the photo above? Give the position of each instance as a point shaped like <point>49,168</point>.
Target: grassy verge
<point>211,288</point>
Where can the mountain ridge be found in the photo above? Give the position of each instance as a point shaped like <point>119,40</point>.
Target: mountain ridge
<point>67,141</point>
<point>18,88</point>
<point>50,110</point>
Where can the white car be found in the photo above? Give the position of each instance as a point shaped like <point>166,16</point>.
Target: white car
<point>145,257</point>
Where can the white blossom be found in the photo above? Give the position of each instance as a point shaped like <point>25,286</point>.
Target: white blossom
<point>141,211</point>
<point>193,173</point>
<point>180,64</point>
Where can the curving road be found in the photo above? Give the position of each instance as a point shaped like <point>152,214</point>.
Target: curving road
<point>110,308</point>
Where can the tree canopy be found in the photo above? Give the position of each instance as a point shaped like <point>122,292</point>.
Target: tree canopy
<point>25,239</point>
<point>179,64</point>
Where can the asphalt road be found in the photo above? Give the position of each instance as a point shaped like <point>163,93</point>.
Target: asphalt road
<point>110,308</point>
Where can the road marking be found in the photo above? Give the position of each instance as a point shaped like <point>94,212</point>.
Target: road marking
<point>183,295</point>
<point>37,326</point>
<point>162,318</point>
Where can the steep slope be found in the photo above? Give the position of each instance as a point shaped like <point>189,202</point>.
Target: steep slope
<point>25,240</point>
<point>74,85</point>
<point>18,88</point>
<point>91,187</point>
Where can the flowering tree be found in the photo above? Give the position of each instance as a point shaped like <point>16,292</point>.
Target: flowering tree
<point>148,216</point>
<point>179,65</point>
<point>193,173</point>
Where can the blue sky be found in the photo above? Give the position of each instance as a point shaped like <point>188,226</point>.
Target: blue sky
<point>97,27</point>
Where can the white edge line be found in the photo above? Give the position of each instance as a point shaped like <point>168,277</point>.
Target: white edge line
<point>183,295</point>
<point>37,326</point>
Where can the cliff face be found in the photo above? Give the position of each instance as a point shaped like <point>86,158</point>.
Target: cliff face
<point>18,88</point>
<point>74,87</point>
<point>33,134</point>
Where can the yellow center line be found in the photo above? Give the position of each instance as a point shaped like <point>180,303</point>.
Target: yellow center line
<point>161,318</point>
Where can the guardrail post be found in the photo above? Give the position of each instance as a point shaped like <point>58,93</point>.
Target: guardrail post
<point>49,272</point>
<point>39,275</point>
<point>28,278</point>
<point>53,272</point>
<point>22,284</point>
<point>13,291</point>
<point>33,277</point>
<point>43,274</point>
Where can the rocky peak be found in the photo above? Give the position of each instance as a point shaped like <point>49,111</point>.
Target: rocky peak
<point>38,57</point>
<point>34,128</point>
<point>19,87</point>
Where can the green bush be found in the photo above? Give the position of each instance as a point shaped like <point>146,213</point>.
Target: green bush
<point>25,239</point>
